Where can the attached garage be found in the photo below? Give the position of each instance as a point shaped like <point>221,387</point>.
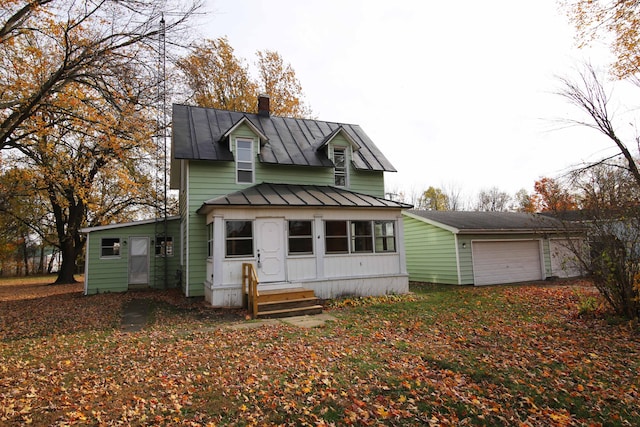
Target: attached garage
<point>485,248</point>
<point>506,261</point>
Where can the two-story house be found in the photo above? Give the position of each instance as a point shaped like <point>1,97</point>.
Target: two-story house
<point>300,199</point>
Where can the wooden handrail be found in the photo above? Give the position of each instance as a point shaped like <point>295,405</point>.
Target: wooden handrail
<point>250,288</point>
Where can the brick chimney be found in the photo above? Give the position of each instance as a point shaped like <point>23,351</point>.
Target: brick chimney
<point>263,105</point>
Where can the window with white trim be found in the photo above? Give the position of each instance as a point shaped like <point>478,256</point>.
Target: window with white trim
<point>110,247</point>
<point>340,166</point>
<point>210,240</point>
<point>300,238</point>
<point>336,237</point>
<point>239,239</point>
<point>244,161</point>
<point>359,237</point>
<point>385,235</point>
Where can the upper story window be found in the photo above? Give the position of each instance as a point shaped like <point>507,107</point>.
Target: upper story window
<point>340,168</point>
<point>244,161</point>
<point>109,247</point>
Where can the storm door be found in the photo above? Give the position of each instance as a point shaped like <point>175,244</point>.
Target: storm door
<point>138,260</point>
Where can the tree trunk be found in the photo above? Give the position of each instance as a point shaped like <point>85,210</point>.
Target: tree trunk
<point>25,256</point>
<point>68,267</point>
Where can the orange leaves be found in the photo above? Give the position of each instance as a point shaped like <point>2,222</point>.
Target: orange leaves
<point>451,356</point>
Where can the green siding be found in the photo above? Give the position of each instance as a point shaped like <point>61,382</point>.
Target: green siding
<point>208,180</point>
<point>112,274</point>
<point>430,252</point>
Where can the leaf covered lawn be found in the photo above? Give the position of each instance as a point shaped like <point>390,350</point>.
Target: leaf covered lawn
<point>509,355</point>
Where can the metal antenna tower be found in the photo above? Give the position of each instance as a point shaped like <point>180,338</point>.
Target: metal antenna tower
<point>161,232</point>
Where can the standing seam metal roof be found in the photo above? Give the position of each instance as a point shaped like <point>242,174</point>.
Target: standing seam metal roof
<point>198,134</point>
<point>292,195</point>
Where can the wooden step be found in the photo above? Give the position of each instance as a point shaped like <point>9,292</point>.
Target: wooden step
<point>287,302</point>
<point>284,294</point>
<point>289,312</point>
<point>284,304</point>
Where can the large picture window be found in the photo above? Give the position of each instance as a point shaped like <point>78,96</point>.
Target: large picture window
<point>110,247</point>
<point>336,237</point>
<point>244,161</point>
<point>300,238</point>
<point>239,239</point>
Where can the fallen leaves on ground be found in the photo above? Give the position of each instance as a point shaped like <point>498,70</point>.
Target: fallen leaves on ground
<point>512,355</point>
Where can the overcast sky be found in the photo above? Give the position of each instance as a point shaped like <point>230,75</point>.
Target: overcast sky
<point>456,94</point>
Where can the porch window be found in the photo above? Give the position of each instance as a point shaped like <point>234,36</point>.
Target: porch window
<point>340,169</point>
<point>244,161</point>
<point>336,237</point>
<point>385,236</point>
<point>210,240</point>
<point>110,247</point>
<point>361,236</point>
<point>239,238</point>
<point>300,238</point>
<point>164,246</point>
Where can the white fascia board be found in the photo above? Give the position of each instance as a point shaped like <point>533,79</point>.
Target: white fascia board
<point>254,129</point>
<point>432,222</point>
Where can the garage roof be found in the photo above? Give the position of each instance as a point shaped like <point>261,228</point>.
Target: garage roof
<point>464,222</point>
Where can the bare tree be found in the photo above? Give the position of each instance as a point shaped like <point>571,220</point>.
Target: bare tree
<point>589,95</point>
<point>609,194</point>
<point>493,200</point>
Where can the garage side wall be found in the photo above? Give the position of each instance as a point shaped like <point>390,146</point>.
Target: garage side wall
<point>430,253</point>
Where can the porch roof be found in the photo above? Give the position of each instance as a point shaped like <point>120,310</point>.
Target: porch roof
<point>292,195</point>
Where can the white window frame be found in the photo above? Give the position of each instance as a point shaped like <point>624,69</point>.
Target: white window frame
<point>115,247</point>
<point>251,161</point>
<point>343,171</point>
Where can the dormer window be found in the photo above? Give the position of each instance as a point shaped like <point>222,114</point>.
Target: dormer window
<point>340,168</point>
<point>244,161</point>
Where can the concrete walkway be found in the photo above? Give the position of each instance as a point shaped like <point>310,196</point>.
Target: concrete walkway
<point>135,315</point>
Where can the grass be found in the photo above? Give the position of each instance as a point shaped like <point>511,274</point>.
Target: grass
<point>510,355</point>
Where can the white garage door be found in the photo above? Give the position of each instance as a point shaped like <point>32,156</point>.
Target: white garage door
<point>506,262</point>
<point>564,262</point>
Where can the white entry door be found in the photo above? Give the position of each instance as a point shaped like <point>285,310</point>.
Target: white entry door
<point>138,260</point>
<point>270,250</point>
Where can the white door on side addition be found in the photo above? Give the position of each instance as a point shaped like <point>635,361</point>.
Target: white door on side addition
<point>270,250</point>
<point>138,260</point>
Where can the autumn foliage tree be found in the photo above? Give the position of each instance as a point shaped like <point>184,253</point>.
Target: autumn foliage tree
<point>550,196</point>
<point>77,87</point>
<point>216,78</point>
<point>617,22</point>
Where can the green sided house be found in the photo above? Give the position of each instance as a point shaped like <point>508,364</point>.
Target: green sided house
<point>301,200</point>
<point>486,248</point>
